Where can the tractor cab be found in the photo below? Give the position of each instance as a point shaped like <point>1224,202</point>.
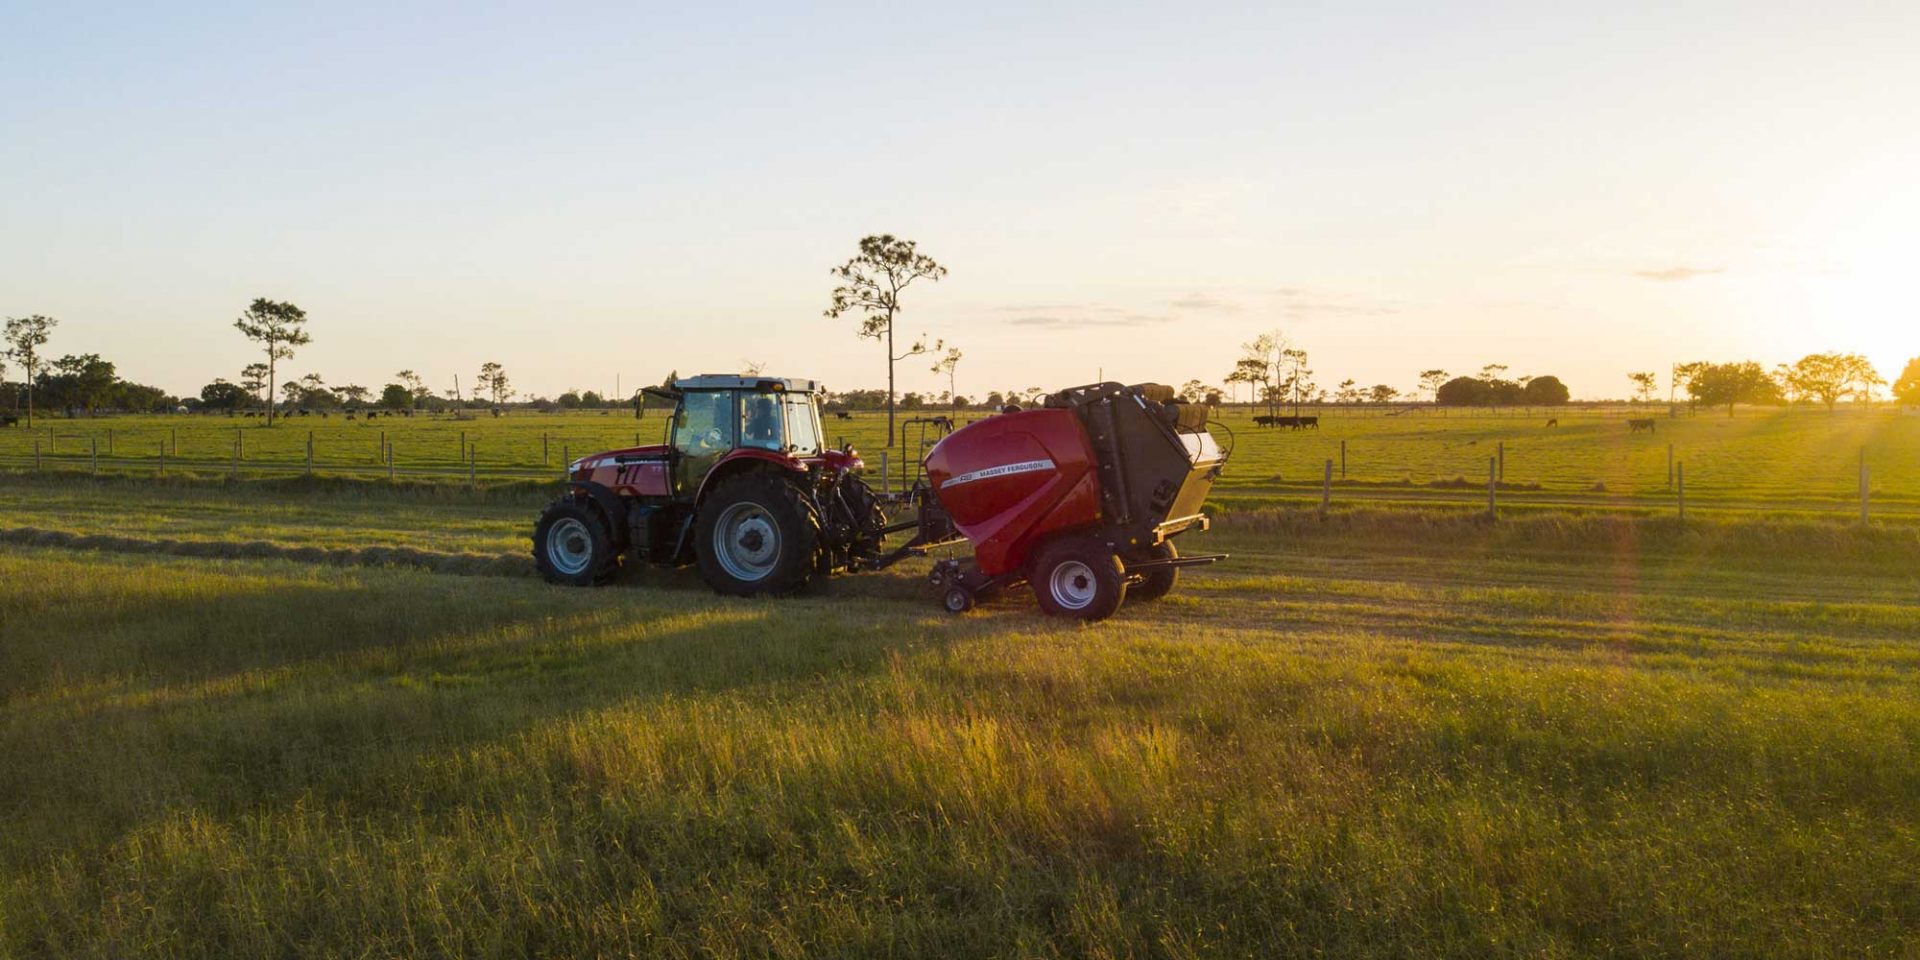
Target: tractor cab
<point>720,418</point>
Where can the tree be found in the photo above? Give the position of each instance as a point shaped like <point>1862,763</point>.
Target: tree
<point>1827,377</point>
<point>1644,384</point>
<point>1381,393</point>
<point>1193,392</point>
<point>25,336</point>
<point>1347,392</point>
<point>871,283</point>
<point>1259,363</point>
<point>416,386</point>
<point>946,365</point>
<point>1682,377</point>
<point>591,400</point>
<point>1462,392</point>
<point>1297,384</point>
<point>354,393</point>
<point>396,396</point>
<point>85,379</point>
<point>1732,384</point>
<point>278,326</point>
<point>253,377</point>
<point>1545,392</point>
<point>221,395</point>
<point>1906,390</point>
<point>493,383</point>
<point>1430,381</point>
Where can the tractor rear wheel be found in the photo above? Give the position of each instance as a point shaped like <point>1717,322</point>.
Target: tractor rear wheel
<point>571,545</point>
<point>1156,582</point>
<point>755,535</point>
<point>1078,577</point>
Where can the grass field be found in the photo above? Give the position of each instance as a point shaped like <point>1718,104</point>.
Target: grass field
<point>1759,460</point>
<point>1391,733</point>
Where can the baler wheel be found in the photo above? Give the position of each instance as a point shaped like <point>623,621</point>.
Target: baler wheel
<point>571,545</point>
<point>1078,577</point>
<point>958,600</point>
<point>1157,582</point>
<point>755,536</point>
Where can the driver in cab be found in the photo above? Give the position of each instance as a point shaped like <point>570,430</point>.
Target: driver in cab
<point>760,425</point>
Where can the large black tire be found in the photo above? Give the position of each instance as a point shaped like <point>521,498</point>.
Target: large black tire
<point>1155,582</point>
<point>1078,577</point>
<point>756,535</point>
<point>571,544</point>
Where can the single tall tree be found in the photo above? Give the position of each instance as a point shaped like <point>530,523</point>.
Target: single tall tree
<point>1259,364</point>
<point>947,364</point>
<point>25,336</point>
<point>1298,383</point>
<point>870,287</point>
<point>1644,384</point>
<point>493,382</point>
<point>1430,381</point>
<point>278,326</point>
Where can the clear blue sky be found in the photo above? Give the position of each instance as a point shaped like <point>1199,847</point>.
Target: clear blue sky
<point>583,192</point>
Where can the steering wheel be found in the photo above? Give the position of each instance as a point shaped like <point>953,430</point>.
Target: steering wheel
<point>712,439</point>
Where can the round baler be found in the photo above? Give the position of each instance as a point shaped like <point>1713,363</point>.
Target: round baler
<point>1080,498</point>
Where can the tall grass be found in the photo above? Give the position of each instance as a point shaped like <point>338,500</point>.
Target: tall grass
<point>1434,753</point>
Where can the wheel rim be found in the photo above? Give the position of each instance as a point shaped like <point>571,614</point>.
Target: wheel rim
<point>569,546</point>
<point>1073,585</point>
<point>746,541</point>
<point>956,601</point>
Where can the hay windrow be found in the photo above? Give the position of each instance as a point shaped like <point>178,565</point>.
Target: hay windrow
<point>465,564</point>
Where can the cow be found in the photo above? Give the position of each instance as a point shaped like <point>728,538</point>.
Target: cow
<point>9,420</point>
<point>1553,422</point>
<point>1635,426</point>
<point>842,415</point>
<point>1265,421</point>
<point>1306,423</point>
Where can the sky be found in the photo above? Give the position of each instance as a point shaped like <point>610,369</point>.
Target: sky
<point>593,195</point>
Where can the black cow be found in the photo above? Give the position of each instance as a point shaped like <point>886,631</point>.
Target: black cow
<point>1306,423</point>
<point>842,415</point>
<point>1635,426</point>
<point>1266,421</point>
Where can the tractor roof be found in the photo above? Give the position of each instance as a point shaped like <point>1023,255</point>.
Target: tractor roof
<point>735,381</point>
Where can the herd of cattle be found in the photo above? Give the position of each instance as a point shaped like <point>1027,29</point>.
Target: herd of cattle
<point>1291,423</point>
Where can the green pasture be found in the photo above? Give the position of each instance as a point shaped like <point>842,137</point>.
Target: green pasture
<point>1389,733</point>
<point>1752,460</point>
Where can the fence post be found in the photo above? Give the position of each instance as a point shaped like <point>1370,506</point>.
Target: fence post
<point>235,471</point>
<point>1343,459</point>
<point>163,457</point>
<point>174,432</point>
<point>543,449</point>
<point>1503,461</point>
<point>566,460</point>
<point>309,453</point>
<point>886,476</point>
<point>93,466</point>
<point>1326,489</point>
<point>1493,485</point>
<point>1680,475</point>
<point>1669,466</point>
<point>463,445</point>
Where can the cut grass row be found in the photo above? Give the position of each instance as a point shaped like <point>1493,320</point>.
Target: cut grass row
<point>1328,746</point>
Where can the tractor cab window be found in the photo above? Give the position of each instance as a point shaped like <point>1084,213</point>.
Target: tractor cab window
<point>803,425</point>
<point>761,422</point>
<point>702,431</point>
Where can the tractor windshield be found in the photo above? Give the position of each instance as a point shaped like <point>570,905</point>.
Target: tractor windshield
<point>760,422</point>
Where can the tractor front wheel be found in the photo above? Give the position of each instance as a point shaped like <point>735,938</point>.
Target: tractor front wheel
<point>1078,577</point>
<point>754,535</point>
<point>571,545</point>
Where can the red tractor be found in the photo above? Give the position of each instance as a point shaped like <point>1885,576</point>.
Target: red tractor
<point>1080,498</point>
